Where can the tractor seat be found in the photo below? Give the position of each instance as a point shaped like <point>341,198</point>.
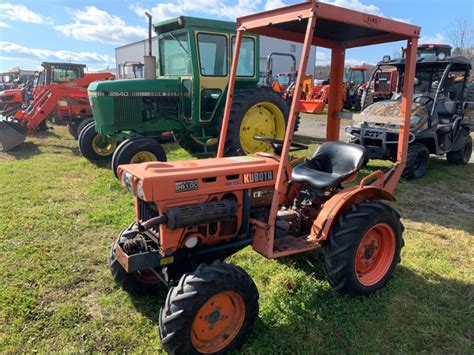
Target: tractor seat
<point>331,164</point>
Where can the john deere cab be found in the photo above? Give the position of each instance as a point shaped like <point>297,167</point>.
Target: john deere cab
<point>186,101</point>
<point>440,122</point>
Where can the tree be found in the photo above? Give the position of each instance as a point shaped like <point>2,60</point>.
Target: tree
<point>460,36</point>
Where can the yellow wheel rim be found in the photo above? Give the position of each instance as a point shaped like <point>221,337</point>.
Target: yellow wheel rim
<point>103,146</point>
<point>142,157</point>
<point>264,119</point>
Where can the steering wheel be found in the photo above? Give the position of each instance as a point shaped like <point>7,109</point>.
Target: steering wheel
<point>277,144</point>
<point>426,97</point>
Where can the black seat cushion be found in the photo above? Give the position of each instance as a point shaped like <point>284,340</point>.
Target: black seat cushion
<point>330,165</point>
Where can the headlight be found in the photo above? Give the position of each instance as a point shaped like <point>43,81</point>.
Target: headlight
<point>62,103</point>
<point>127,181</point>
<point>140,192</point>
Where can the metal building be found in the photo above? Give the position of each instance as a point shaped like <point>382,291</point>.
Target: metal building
<point>129,57</point>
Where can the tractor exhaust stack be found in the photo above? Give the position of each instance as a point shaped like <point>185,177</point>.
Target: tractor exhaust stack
<point>150,59</point>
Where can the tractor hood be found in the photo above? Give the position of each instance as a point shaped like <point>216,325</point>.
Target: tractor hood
<point>387,114</point>
<point>125,105</point>
<point>132,87</point>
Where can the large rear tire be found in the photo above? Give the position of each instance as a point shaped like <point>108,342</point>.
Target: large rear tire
<point>461,156</point>
<point>137,150</point>
<point>363,248</point>
<point>211,310</point>
<point>95,147</point>
<point>255,112</point>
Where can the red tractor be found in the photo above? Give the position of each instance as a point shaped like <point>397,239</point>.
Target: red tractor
<point>61,90</point>
<point>354,83</point>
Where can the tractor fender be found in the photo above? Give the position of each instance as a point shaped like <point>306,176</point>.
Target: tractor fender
<point>461,138</point>
<point>341,202</point>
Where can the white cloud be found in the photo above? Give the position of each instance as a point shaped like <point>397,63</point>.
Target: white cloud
<point>22,13</point>
<point>95,25</point>
<point>4,25</point>
<point>217,8</point>
<point>356,5</point>
<point>19,51</point>
<point>273,4</point>
<point>436,39</point>
<point>359,6</point>
<point>351,62</point>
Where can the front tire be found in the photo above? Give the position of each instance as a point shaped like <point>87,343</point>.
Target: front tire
<point>138,283</point>
<point>417,161</point>
<point>211,310</point>
<point>461,156</point>
<point>137,150</point>
<point>95,147</point>
<point>363,248</point>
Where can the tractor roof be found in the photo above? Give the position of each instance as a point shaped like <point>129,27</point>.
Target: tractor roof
<point>432,61</point>
<point>64,65</point>
<point>193,22</point>
<point>335,26</point>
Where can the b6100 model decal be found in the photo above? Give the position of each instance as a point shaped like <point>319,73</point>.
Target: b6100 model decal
<point>258,177</point>
<point>188,185</point>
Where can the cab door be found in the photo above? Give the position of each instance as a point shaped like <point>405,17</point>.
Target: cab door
<point>213,66</point>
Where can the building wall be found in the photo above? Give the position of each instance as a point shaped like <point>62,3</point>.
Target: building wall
<point>134,52</point>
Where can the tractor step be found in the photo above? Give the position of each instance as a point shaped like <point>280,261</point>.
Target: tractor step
<point>290,245</point>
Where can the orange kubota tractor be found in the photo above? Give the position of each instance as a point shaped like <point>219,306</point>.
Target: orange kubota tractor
<point>61,90</point>
<point>191,215</point>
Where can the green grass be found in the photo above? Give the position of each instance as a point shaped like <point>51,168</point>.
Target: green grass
<point>60,214</point>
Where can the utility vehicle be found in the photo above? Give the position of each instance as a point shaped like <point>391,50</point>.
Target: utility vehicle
<point>186,100</point>
<point>439,124</point>
<point>190,215</point>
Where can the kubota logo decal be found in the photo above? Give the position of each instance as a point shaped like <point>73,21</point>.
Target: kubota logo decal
<point>258,177</point>
<point>188,185</point>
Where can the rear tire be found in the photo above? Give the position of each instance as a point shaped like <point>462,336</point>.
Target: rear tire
<point>133,283</point>
<point>417,161</point>
<point>363,248</point>
<point>89,148</point>
<point>239,137</point>
<point>461,156</point>
<point>211,310</point>
<point>75,127</point>
<point>137,150</point>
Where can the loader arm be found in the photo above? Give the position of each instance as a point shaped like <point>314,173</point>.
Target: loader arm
<point>45,104</point>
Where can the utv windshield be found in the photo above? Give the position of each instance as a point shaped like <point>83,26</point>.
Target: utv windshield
<point>426,80</point>
<point>175,58</point>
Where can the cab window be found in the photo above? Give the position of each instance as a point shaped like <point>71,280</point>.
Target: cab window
<point>212,54</point>
<point>175,57</point>
<point>246,65</point>
<point>63,75</point>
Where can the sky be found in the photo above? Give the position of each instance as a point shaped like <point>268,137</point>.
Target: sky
<point>82,31</point>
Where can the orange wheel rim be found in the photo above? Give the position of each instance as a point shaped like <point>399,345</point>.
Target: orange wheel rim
<point>218,322</point>
<point>375,254</point>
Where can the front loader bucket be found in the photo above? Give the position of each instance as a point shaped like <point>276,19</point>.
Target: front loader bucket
<point>11,135</point>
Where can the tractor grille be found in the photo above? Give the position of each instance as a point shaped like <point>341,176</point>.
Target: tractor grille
<point>146,210</point>
<point>382,83</point>
<point>134,110</point>
<point>127,110</point>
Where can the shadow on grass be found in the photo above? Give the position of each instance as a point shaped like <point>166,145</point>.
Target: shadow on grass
<point>24,150</point>
<point>150,306</point>
<point>412,313</point>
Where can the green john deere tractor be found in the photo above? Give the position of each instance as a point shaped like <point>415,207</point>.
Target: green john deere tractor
<point>186,101</point>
